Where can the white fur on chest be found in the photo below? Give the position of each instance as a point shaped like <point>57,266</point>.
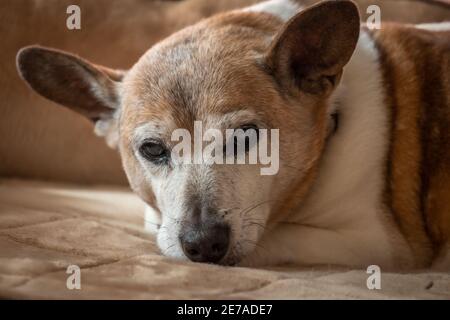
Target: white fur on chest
<point>343,220</point>
<point>348,194</point>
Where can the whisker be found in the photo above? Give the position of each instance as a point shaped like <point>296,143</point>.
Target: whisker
<point>249,209</point>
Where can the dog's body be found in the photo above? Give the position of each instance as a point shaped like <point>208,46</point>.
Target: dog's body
<point>370,188</point>
<point>384,179</point>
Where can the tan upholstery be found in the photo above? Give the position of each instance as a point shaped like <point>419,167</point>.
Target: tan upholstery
<point>44,228</point>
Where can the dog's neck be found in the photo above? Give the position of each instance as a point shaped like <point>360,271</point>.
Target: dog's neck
<point>353,157</point>
<point>357,130</point>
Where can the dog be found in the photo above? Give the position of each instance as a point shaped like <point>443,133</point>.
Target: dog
<point>364,139</point>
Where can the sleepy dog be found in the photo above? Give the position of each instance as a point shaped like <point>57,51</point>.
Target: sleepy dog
<point>364,138</point>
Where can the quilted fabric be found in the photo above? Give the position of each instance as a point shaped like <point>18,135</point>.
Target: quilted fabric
<point>44,228</point>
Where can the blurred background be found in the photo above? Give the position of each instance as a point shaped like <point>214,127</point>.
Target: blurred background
<point>41,140</point>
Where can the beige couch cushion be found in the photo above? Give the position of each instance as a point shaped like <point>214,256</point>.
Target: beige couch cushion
<point>44,228</point>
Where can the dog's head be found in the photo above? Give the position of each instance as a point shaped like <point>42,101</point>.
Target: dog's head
<point>236,70</point>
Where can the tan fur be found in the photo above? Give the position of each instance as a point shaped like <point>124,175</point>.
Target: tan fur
<point>284,75</point>
<point>258,92</point>
<point>114,33</point>
<point>418,186</point>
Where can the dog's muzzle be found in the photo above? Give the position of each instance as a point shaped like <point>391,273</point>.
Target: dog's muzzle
<point>205,241</point>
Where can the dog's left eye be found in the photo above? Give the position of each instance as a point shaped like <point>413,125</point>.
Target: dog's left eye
<point>154,152</point>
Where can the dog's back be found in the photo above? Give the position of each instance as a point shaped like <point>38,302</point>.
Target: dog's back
<point>416,65</point>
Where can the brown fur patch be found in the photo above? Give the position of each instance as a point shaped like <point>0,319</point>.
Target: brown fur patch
<point>416,68</point>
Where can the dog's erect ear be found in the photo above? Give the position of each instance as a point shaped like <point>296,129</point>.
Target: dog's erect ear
<point>88,89</point>
<point>311,50</point>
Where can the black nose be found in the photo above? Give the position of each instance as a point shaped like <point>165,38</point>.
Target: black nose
<point>206,243</point>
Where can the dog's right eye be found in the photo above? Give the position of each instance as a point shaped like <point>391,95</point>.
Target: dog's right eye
<point>154,152</point>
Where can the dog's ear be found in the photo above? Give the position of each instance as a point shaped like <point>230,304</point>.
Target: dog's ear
<point>309,53</point>
<point>88,89</point>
